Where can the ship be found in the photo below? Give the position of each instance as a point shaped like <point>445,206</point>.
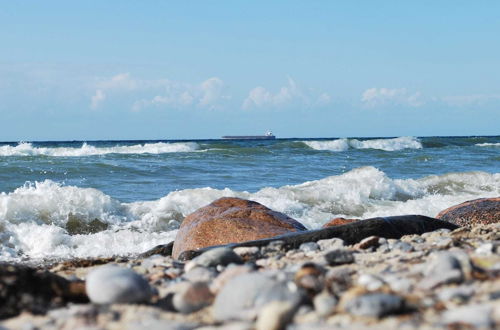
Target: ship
<point>268,136</point>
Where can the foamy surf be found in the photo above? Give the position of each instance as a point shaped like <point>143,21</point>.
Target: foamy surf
<point>27,149</point>
<point>395,144</point>
<point>34,218</point>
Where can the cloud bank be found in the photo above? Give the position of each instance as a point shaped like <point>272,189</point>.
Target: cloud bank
<point>375,97</point>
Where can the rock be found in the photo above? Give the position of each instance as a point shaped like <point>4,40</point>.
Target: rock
<point>275,315</point>
<point>309,247</point>
<point>112,284</point>
<point>230,272</point>
<point>370,282</point>
<point>402,246</point>
<point>310,278</point>
<point>477,316</point>
<point>338,222</point>
<point>76,226</point>
<point>243,296</point>
<point>459,293</point>
<point>214,257</point>
<point>339,257</point>
<point>324,304</point>
<point>24,288</point>
<point>443,268</point>
<point>372,241</point>
<point>200,274</point>
<point>375,305</point>
<point>163,250</point>
<point>191,297</point>
<point>478,211</point>
<point>331,243</point>
<point>230,220</point>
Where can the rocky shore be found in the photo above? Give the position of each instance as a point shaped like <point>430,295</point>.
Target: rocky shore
<point>409,272</point>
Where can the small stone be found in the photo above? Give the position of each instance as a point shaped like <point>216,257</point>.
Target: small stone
<point>310,277</point>
<point>460,293</point>
<point>370,282</point>
<point>372,241</point>
<point>191,297</point>
<point>200,274</point>
<point>444,242</point>
<point>485,248</point>
<point>254,290</point>
<point>247,251</point>
<point>229,273</point>
<point>309,247</point>
<point>443,268</point>
<point>402,246</point>
<point>214,257</point>
<point>339,257</point>
<point>324,304</point>
<point>275,315</point>
<point>338,280</point>
<point>477,316</point>
<point>375,305</point>
<point>112,284</point>
<point>332,243</point>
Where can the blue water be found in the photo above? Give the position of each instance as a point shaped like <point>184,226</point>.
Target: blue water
<point>142,190</point>
<point>238,165</point>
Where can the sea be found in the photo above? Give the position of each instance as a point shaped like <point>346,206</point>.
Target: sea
<point>87,199</point>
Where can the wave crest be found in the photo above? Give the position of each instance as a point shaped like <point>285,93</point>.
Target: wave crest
<point>27,149</point>
<point>395,144</point>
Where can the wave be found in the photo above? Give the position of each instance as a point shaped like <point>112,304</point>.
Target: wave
<point>27,149</point>
<point>395,144</point>
<point>35,219</point>
<point>488,144</point>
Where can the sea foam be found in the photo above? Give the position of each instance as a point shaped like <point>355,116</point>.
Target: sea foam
<point>27,149</point>
<point>395,144</point>
<point>33,217</point>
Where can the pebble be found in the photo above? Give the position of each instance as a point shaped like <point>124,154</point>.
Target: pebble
<point>309,247</point>
<point>478,316</point>
<point>443,268</point>
<point>460,293</point>
<point>215,257</point>
<point>324,304</point>
<point>275,315</point>
<point>254,290</point>
<point>375,305</point>
<point>200,274</point>
<point>230,272</point>
<point>369,242</point>
<point>370,282</point>
<point>332,243</point>
<point>339,257</point>
<point>112,284</point>
<point>191,297</point>
<point>402,246</point>
<point>486,249</point>
<point>247,251</point>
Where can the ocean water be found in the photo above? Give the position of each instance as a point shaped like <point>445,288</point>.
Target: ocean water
<point>134,194</point>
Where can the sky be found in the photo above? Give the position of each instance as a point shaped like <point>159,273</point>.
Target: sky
<point>111,70</point>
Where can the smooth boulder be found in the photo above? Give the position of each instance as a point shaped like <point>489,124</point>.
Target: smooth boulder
<point>231,220</point>
<point>478,211</point>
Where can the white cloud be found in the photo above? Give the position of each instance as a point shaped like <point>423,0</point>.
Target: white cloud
<point>374,97</point>
<point>161,92</point>
<point>260,97</point>
<point>97,99</point>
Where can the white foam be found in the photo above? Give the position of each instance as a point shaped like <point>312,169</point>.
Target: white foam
<point>33,217</point>
<point>488,144</point>
<point>27,149</point>
<point>395,144</point>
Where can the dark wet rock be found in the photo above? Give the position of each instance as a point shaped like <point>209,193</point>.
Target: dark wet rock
<point>243,297</point>
<point>339,257</point>
<point>478,211</point>
<point>375,305</point>
<point>338,222</point>
<point>231,220</point>
<point>388,227</point>
<point>190,297</point>
<point>75,225</point>
<point>162,250</point>
<point>112,284</point>
<point>24,288</point>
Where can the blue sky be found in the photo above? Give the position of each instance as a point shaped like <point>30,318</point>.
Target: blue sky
<point>202,69</point>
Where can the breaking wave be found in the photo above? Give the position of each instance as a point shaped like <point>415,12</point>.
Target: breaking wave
<point>488,144</point>
<point>50,220</point>
<point>395,144</point>
<point>27,149</point>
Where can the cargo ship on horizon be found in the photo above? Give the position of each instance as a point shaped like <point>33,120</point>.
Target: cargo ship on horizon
<point>268,136</point>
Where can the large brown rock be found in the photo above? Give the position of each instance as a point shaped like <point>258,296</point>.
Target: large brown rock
<point>478,211</point>
<point>231,220</point>
<point>338,222</point>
